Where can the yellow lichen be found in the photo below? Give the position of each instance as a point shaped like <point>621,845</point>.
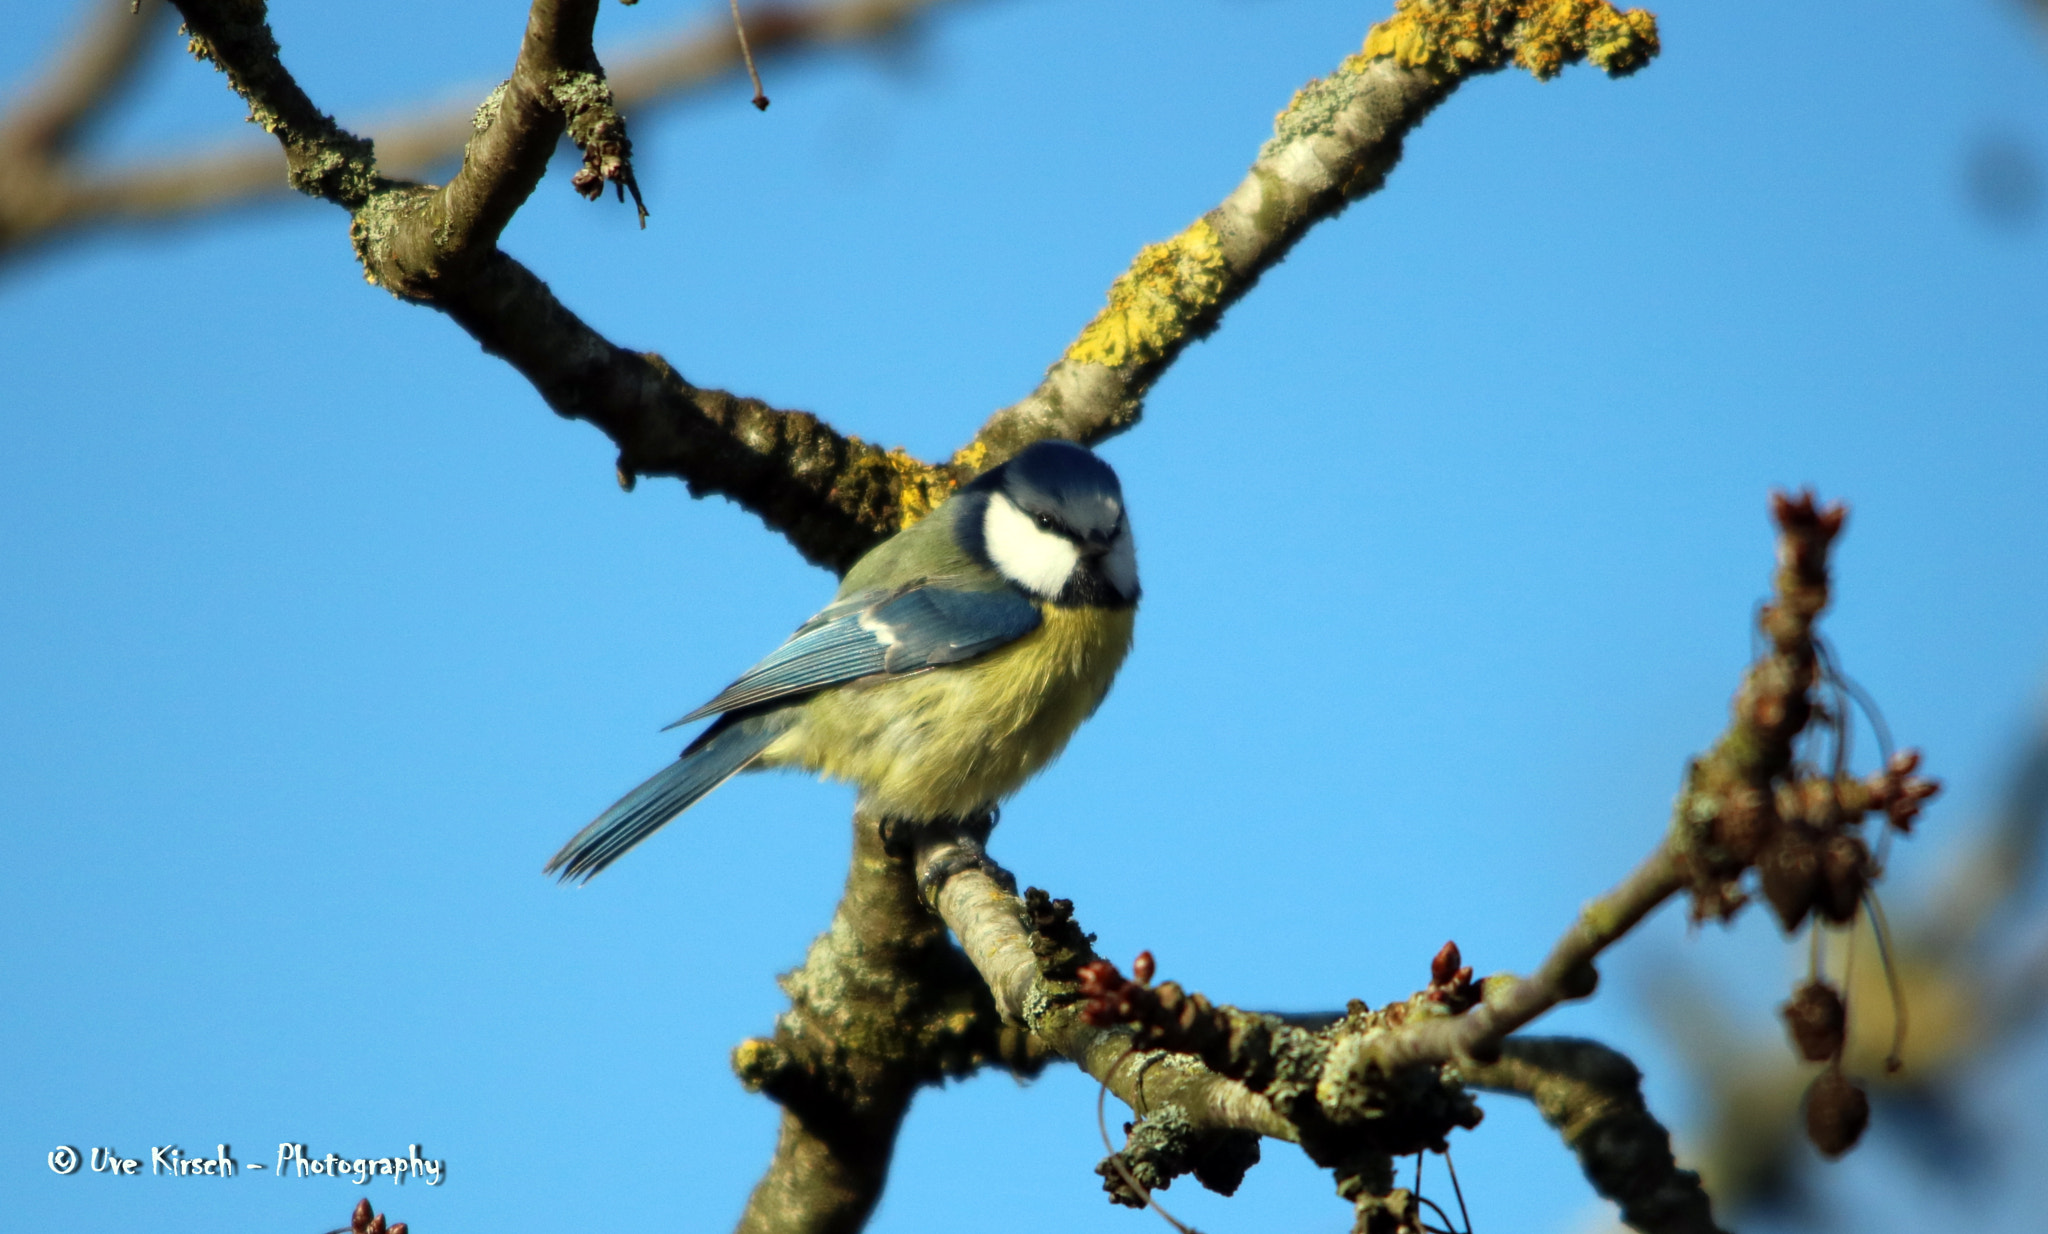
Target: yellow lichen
<point>753,1056</point>
<point>1455,37</point>
<point>971,459</point>
<point>920,488</point>
<point>1153,304</point>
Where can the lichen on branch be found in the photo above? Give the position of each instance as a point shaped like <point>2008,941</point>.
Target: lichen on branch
<point>322,159</point>
<point>831,495</point>
<point>1452,38</point>
<point>599,131</point>
<point>882,1005</point>
<point>1333,144</point>
<point>1157,301</point>
<point>1205,1078</point>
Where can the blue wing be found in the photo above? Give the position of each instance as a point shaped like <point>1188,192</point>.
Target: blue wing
<point>867,633</point>
<point>724,750</point>
<point>905,630</point>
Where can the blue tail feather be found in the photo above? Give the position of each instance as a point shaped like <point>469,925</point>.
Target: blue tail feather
<point>722,751</point>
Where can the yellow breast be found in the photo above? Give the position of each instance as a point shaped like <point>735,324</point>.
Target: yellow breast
<point>954,740</point>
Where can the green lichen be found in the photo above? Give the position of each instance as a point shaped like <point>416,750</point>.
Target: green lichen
<point>339,167</point>
<point>577,91</point>
<point>1157,1150</point>
<point>322,159</point>
<point>1395,1110</point>
<point>1155,304</point>
<point>1314,109</point>
<point>376,222</point>
<point>487,111</point>
<point>1454,38</point>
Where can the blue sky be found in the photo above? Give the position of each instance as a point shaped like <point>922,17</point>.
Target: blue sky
<point>321,632</point>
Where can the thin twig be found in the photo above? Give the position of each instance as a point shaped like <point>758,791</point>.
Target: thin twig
<point>1115,1157</point>
<point>1881,930</point>
<point>747,54</point>
<point>1464,1216</point>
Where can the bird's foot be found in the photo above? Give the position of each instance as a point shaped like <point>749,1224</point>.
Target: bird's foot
<point>946,847</point>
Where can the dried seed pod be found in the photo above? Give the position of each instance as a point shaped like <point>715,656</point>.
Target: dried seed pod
<point>1745,821</point>
<point>1790,871</point>
<point>1836,1113</point>
<point>1817,1021</point>
<point>1844,873</point>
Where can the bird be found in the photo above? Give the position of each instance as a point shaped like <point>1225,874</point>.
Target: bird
<point>954,663</point>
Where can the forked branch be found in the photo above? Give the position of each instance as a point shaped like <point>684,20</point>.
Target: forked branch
<point>1358,1089</point>
<point>832,495</point>
<point>48,193</point>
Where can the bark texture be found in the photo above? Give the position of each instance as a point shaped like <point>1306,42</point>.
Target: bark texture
<point>884,1003</point>
<point>47,195</point>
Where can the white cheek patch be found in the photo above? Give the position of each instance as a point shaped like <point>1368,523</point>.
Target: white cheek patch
<point>1039,561</point>
<point>1120,564</point>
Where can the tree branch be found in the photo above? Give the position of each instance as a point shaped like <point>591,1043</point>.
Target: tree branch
<point>882,1005</point>
<point>1198,1074</point>
<point>1509,1002</point>
<point>832,496</point>
<point>1593,1096</point>
<point>1357,1089</point>
<point>1334,144</point>
<point>1032,967</point>
<point>321,158</point>
<point>47,198</point>
<point>1746,804</point>
<point>84,79</point>
<point>45,123</point>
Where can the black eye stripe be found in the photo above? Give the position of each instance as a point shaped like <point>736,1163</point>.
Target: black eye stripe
<point>1051,521</point>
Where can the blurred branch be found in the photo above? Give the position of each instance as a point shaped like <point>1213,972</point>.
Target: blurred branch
<point>1593,1096</point>
<point>85,78</point>
<point>45,196</point>
<point>1971,991</point>
<point>2006,860</point>
<point>38,187</point>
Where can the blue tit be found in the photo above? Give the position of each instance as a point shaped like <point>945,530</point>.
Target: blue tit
<point>956,660</point>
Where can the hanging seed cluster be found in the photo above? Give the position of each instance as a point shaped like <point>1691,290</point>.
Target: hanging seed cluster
<point>1754,802</point>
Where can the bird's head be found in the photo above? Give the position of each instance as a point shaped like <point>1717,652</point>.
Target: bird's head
<point>1052,521</point>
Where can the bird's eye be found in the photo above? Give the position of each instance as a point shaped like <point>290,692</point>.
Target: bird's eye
<point>1044,522</point>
